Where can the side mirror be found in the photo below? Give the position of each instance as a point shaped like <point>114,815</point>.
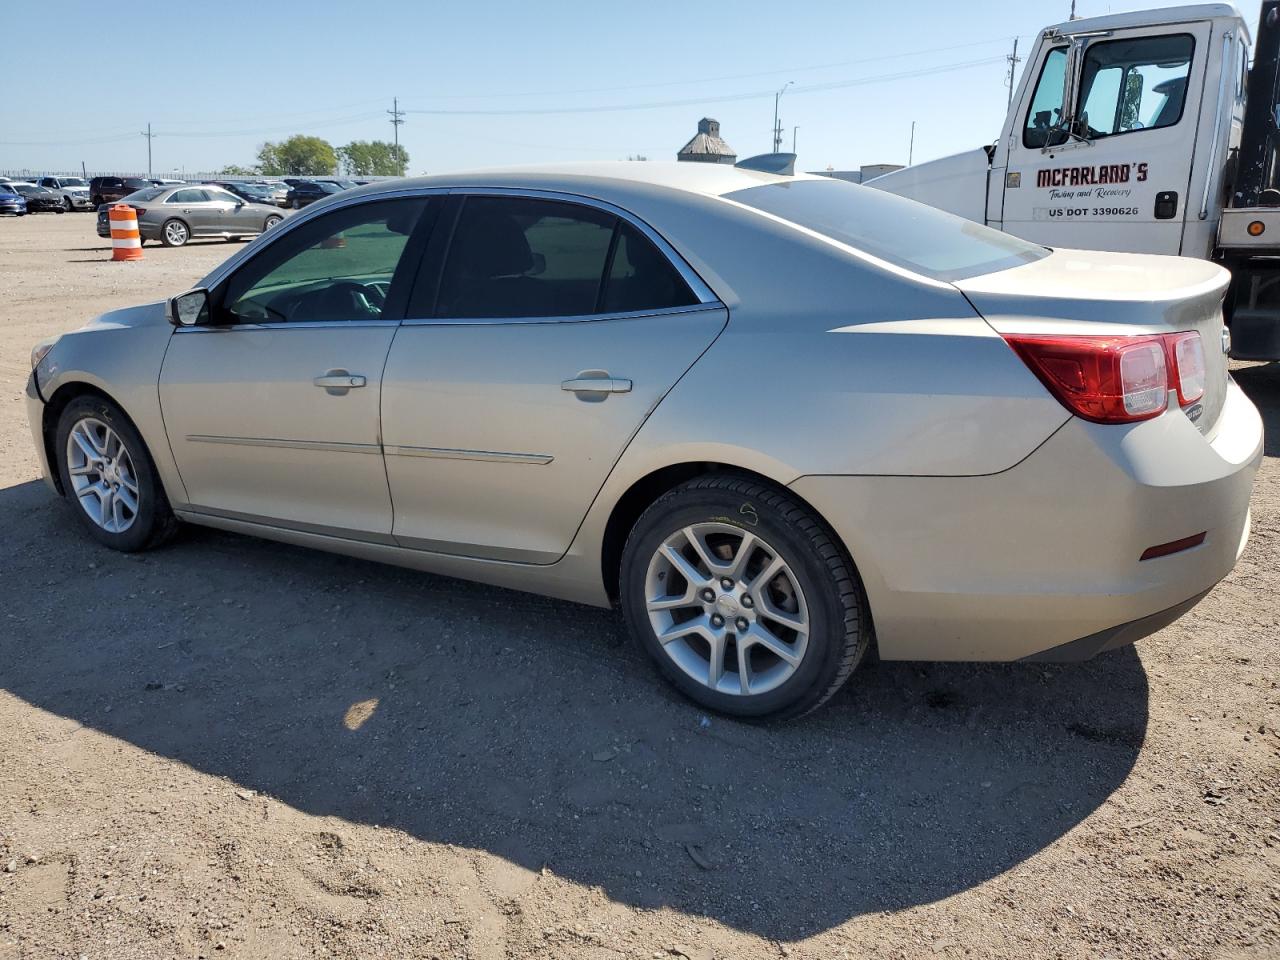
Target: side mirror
<point>190,309</point>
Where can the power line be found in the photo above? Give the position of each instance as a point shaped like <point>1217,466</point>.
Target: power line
<point>725,98</point>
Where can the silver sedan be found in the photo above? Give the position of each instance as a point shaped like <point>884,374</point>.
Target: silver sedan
<point>777,420</point>
<point>175,214</point>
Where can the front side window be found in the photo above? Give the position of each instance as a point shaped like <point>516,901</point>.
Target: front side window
<point>1138,84</point>
<point>1046,102</point>
<point>911,235</point>
<point>524,257</point>
<point>340,266</point>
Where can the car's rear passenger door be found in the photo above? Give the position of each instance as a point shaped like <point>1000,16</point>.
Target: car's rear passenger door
<point>542,332</point>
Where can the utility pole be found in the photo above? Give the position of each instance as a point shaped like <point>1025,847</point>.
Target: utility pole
<point>150,136</point>
<point>777,125</point>
<point>911,149</point>
<point>1014,60</point>
<point>397,118</point>
<point>83,173</point>
<point>1073,10</point>
<point>793,137</point>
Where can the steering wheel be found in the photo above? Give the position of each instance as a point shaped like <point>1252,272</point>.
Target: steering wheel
<point>366,300</point>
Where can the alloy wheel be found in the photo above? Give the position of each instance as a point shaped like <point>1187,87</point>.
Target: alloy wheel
<point>727,608</point>
<point>175,231</point>
<point>103,478</point>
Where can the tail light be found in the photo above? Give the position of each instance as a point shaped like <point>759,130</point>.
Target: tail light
<point>1116,379</point>
<point>139,211</point>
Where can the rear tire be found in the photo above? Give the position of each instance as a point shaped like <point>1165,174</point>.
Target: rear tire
<point>773,558</point>
<point>66,204</point>
<point>175,233</point>
<point>110,481</point>
<point>270,222</point>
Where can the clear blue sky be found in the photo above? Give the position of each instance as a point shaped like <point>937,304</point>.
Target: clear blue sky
<point>215,81</point>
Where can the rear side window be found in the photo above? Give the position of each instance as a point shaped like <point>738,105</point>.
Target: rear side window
<point>641,278</point>
<point>520,257</point>
<point>902,232</point>
<point>188,196</point>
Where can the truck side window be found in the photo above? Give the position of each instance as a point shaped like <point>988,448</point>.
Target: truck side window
<point>1046,103</point>
<point>1138,84</point>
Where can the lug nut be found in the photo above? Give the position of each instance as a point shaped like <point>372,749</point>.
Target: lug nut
<point>742,624</point>
<point>708,594</point>
<point>747,601</point>
<point>717,620</point>
<point>726,583</point>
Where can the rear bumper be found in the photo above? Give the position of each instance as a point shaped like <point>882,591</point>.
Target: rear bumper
<point>1042,560</point>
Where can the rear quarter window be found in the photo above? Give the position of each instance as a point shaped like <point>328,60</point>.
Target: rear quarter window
<point>901,232</point>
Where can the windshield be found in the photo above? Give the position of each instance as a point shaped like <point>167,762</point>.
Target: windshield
<point>140,196</point>
<point>328,187</point>
<point>74,182</point>
<point>899,231</point>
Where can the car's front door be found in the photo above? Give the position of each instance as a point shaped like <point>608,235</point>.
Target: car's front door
<point>272,409</point>
<point>517,380</point>
<point>1116,174</point>
<point>192,206</point>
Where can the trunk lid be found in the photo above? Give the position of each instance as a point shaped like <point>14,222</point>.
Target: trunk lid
<point>1086,292</point>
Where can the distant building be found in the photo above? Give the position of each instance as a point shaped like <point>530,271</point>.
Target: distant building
<point>707,147</point>
<point>861,175</point>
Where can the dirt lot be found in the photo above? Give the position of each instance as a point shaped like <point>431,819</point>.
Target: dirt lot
<point>231,748</point>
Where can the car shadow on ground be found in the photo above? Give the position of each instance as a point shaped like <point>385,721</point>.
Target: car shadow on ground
<point>524,727</point>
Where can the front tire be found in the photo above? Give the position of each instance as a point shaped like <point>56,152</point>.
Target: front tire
<point>743,598</point>
<point>174,233</point>
<point>66,204</point>
<point>109,478</point>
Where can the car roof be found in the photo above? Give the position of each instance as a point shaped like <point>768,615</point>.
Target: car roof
<point>600,179</point>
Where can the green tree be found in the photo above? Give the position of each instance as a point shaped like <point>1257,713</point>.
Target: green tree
<point>235,170</point>
<point>300,154</point>
<point>373,158</point>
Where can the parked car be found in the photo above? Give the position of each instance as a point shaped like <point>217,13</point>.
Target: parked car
<point>110,189</point>
<point>174,215</point>
<point>73,190</point>
<point>306,192</point>
<point>39,199</point>
<point>251,192</point>
<point>11,201</point>
<point>800,407</point>
<point>279,192</point>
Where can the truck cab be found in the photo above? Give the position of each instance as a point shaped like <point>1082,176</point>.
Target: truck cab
<point>1117,137</point>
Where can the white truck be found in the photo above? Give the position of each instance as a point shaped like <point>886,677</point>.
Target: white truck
<point>1145,132</point>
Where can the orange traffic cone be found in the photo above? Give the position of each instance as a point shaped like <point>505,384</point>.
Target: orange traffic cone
<point>126,241</point>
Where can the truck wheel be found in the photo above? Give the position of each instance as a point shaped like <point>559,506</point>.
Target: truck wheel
<point>66,204</point>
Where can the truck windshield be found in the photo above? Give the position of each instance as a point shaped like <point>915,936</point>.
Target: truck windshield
<point>902,232</point>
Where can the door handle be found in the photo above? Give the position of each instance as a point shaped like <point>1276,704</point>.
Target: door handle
<point>338,382</point>
<point>596,385</point>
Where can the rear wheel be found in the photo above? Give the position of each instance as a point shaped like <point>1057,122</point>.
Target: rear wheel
<point>66,204</point>
<point>174,233</point>
<point>109,478</point>
<point>743,598</point>
<point>270,222</point>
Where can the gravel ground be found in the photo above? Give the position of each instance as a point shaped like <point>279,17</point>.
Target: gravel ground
<point>232,748</point>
